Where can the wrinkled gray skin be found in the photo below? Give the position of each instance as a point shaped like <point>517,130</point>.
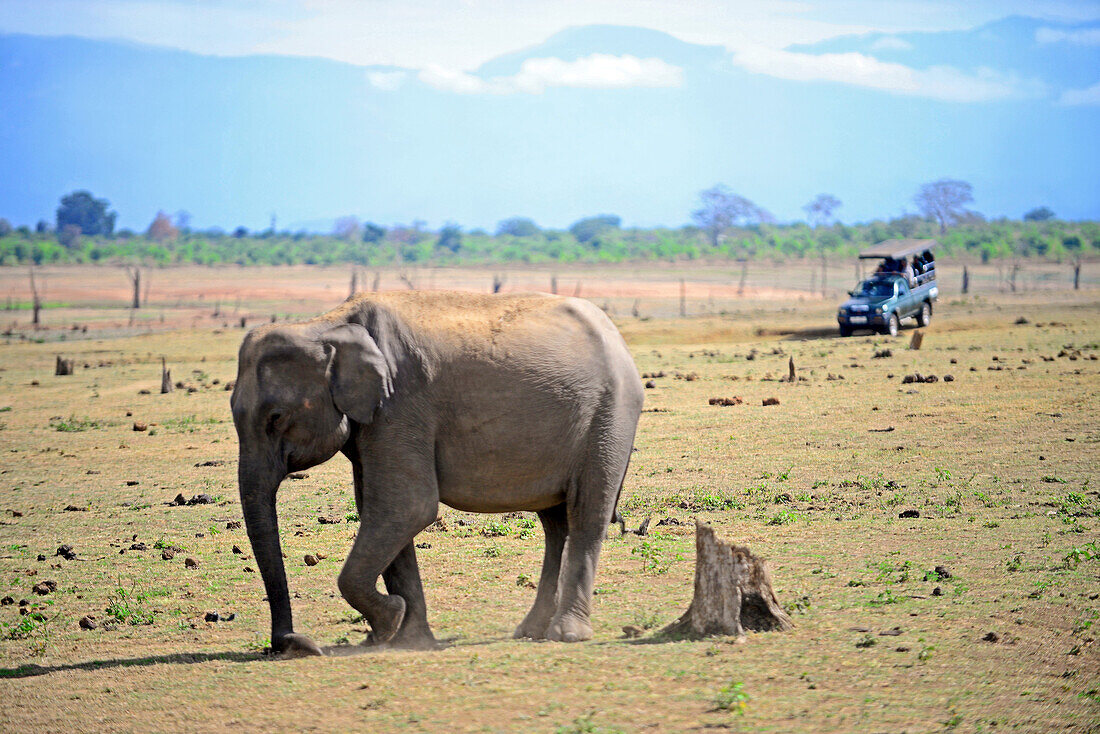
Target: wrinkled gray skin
<point>484,403</point>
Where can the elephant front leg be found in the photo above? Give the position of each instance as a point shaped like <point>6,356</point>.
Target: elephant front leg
<point>383,535</point>
<point>402,579</point>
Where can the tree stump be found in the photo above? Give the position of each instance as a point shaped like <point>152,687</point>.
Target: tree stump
<point>64,366</point>
<point>733,592</point>
<point>165,377</point>
<point>915,342</point>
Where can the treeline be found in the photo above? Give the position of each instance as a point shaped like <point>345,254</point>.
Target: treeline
<point>600,240</point>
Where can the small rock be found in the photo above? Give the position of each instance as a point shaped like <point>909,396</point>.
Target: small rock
<point>74,508</point>
<point>632,631</point>
<point>16,513</point>
<point>212,462</point>
<point>191,563</point>
<point>991,637</point>
<point>650,384</point>
<point>41,556</point>
<point>937,591</point>
<point>139,426</point>
<point>909,513</point>
<point>890,632</point>
<point>7,601</point>
<point>132,482</point>
<point>233,525</point>
<point>139,547</point>
<point>942,572</point>
<point>212,617</point>
<point>167,554</point>
<point>423,546</point>
<point>179,500</point>
<point>249,569</point>
<point>901,648</point>
<point>66,551</point>
<point>201,499</point>
<point>735,400</point>
<point>88,622</point>
<point>310,560</point>
<point>298,475</point>
<point>229,617</point>
<point>325,520</point>
<point>771,401</point>
<point>237,550</point>
<point>948,378</point>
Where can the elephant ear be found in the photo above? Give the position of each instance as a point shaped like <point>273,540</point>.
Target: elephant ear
<point>359,377</point>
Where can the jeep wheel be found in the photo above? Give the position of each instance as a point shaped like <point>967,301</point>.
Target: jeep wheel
<point>924,318</point>
<point>846,331</point>
<point>891,327</point>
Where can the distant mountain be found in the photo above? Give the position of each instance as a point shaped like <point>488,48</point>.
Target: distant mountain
<point>233,140</point>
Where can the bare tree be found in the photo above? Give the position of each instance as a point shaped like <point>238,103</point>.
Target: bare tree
<point>722,209</point>
<point>944,200</point>
<point>347,228</point>
<point>820,210</point>
<point>498,282</point>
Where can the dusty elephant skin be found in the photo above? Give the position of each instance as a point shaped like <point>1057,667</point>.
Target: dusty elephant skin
<point>484,403</point>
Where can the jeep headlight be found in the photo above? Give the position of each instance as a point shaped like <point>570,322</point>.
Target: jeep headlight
<point>878,309</point>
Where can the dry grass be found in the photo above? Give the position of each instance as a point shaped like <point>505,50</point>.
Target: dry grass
<point>1001,465</point>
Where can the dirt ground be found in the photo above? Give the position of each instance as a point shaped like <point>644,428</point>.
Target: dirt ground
<point>999,465</point>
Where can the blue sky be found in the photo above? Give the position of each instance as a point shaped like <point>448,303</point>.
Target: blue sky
<point>473,111</point>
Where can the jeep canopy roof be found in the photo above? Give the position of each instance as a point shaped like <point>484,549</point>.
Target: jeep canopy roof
<point>896,249</point>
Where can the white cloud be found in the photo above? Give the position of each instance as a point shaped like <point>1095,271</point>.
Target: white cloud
<point>944,83</point>
<point>597,71</point>
<point>891,43</point>
<point>387,81</point>
<point>1089,96</point>
<point>1081,37</point>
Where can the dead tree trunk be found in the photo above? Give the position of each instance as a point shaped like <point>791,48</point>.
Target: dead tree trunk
<point>354,282</point>
<point>1077,275</point>
<point>733,592</point>
<point>577,290</point>
<point>915,341</point>
<point>744,277</point>
<point>63,366</point>
<point>824,268</point>
<point>134,274</point>
<point>377,281</point>
<point>498,282</point>
<point>554,284</point>
<point>683,299</point>
<point>790,366</point>
<point>36,301</point>
<point>165,377</point>
<point>966,280</point>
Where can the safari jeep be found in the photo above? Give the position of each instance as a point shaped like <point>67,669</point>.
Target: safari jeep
<point>896,291</point>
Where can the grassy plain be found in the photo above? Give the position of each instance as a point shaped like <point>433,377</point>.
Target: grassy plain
<point>1000,463</point>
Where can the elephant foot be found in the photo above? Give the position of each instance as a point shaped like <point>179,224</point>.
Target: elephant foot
<point>529,630</point>
<point>569,629</point>
<point>414,639</point>
<point>295,645</point>
<point>386,620</point>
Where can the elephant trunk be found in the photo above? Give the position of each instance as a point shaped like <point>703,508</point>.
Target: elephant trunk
<point>258,485</point>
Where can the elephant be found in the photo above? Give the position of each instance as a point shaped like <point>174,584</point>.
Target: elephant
<point>485,403</point>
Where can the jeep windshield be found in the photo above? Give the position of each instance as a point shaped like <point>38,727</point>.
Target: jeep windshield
<point>875,289</point>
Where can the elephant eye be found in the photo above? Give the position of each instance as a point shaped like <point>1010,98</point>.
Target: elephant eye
<point>273,420</point>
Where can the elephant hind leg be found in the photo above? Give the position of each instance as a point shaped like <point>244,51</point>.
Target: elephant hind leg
<point>590,505</point>
<point>555,526</point>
